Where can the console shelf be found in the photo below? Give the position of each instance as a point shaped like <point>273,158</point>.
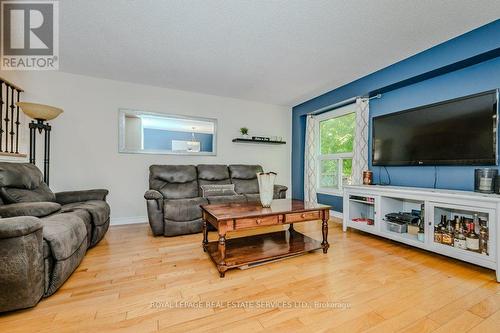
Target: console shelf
<point>363,203</point>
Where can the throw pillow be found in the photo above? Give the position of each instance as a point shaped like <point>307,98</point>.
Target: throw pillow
<point>217,190</point>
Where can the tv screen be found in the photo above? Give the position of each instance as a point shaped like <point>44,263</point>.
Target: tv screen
<point>461,131</point>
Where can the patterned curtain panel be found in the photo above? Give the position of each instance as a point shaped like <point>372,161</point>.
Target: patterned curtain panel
<point>310,160</point>
<point>360,150</point>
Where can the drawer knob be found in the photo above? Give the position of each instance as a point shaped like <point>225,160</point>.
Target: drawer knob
<point>259,221</point>
<point>302,215</point>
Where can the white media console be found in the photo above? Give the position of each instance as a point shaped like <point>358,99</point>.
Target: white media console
<point>374,202</point>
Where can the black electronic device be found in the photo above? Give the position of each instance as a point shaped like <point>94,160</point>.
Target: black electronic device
<point>461,131</point>
<point>402,218</point>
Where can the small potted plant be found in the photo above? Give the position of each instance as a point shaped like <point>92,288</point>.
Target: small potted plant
<point>244,132</point>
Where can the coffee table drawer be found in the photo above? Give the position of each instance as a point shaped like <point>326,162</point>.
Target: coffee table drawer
<point>256,222</point>
<point>298,217</point>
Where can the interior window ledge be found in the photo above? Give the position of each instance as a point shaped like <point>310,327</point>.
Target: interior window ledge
<point>337,193</point>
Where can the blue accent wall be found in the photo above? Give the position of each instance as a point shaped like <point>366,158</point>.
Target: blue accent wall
<point>467,64</point>
<point>157,139</point>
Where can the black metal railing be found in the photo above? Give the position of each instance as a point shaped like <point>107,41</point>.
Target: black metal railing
<point>9,117</point>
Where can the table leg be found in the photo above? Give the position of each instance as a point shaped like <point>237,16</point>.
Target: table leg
<point>290,228</point>
<point>205,236</point>
<point>324,229</point>
<point>222,251</point>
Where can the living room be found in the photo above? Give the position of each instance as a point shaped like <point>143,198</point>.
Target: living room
<point>235,165</point>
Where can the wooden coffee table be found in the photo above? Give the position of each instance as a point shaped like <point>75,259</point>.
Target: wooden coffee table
<point>232,253</point>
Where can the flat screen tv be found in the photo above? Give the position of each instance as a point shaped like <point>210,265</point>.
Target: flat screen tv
<point>462,131</point>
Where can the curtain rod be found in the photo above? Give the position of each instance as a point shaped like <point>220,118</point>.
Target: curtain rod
<point>340,104</point>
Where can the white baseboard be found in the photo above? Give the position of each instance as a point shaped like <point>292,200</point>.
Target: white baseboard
<point>128,220</point>
<point>336,214</point>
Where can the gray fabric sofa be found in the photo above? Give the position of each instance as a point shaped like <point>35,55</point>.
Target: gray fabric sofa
<point>43,235</point>
<point>174,196</point>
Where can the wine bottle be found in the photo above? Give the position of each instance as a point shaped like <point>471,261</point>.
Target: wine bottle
<point>447,237</point>
<point>472,239</point>
<point>459,240</point>
<point>483,237</point>
<point>438,234</point>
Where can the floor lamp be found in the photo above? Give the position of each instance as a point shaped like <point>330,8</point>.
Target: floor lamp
<point>40,114</point>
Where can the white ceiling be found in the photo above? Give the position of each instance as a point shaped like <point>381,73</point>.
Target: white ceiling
<point>279,52</point>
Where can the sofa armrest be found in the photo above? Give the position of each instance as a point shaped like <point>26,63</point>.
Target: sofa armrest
<point>154,204</point>
<point>19,226</point>
<point>153,195</point>
<point>280,191</point>
<point>21,264</point>
<point>68,197</point>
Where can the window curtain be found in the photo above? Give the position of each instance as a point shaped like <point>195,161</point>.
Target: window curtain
<point>360,149</point>
<point>310,159</point>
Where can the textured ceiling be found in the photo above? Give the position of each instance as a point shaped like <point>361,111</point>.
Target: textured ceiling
<point>279,52</point>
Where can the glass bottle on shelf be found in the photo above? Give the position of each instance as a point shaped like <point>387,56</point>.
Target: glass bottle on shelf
<point>483,237</point>
<point>465,225</point>
<point>472,239</point>
<point>459,240</point>
<point>448,233</point>
<point>421,232</point>
<point>438,234</point>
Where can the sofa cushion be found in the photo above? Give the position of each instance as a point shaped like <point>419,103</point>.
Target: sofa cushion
<point>37,209</point>
<point>244,178</point>
<point>98,210</point>
<point>252,197</point>
<point>242,171</point>
<point>64,233</point>
<point>20,175</point>
<point>213,172</point>
<point>246,186</point>
<point>174,181</point>
<point>16,195</point>
<point>223,199</point>
<point>86,217</point>
<point>183,209</point>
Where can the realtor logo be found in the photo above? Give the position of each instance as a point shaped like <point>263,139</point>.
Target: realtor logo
<point>30,35</point>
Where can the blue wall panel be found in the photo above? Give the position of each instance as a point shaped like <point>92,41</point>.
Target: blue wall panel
<point>481,75</point>
<point>474,79</point>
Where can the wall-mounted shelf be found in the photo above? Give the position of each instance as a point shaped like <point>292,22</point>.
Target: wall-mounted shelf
<point>240,140</point>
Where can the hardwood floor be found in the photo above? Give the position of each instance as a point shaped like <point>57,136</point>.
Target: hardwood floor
<point>133,282</point>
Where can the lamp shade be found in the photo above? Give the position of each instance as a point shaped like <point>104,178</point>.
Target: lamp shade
<point>39,111</point>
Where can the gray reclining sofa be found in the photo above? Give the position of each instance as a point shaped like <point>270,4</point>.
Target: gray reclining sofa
<point>43,235</point>
<point>174,198</point>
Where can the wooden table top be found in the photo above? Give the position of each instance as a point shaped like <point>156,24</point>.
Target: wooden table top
<point>279,206</point>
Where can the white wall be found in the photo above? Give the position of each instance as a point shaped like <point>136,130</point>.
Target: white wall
<point>84,149</point>
<point>133,133</point>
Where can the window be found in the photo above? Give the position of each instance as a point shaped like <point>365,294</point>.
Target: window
<point>335,149</point>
